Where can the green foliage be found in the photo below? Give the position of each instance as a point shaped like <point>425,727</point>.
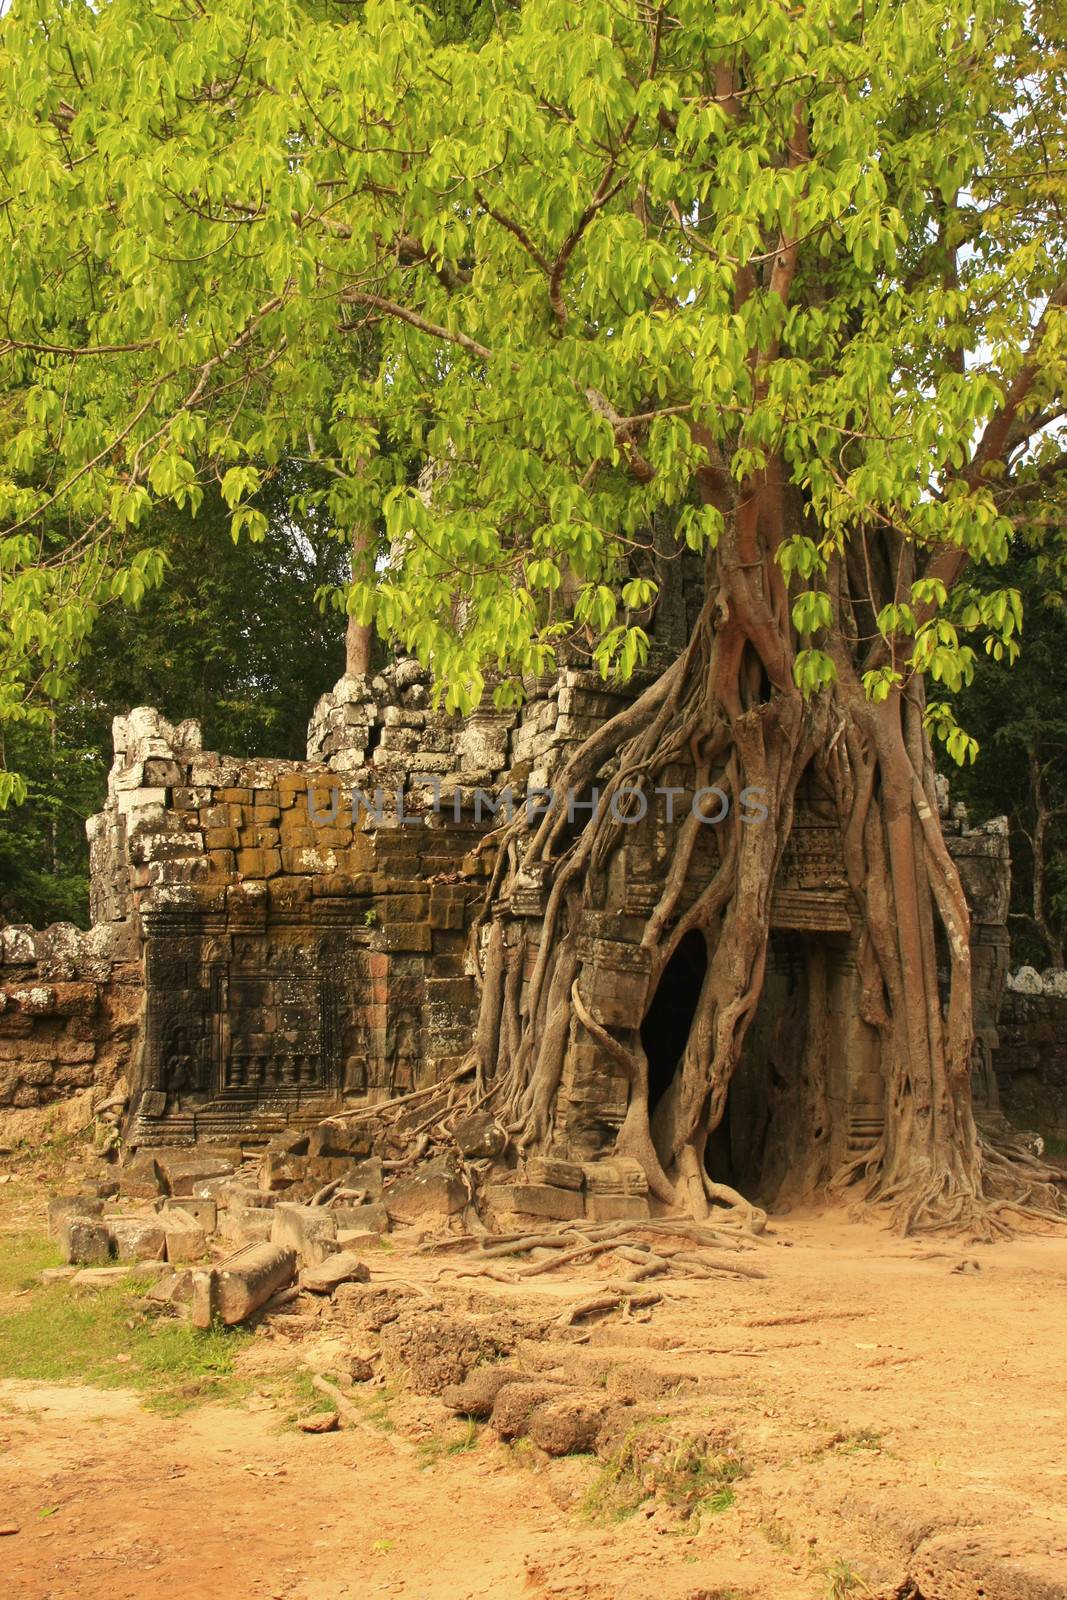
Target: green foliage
<point>504,278</point>
<point>1020,723</point>
<point>235,639</point>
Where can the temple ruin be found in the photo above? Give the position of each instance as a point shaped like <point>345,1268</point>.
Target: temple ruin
<point>276,941</point>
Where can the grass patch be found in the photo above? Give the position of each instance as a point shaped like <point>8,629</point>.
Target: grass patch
<point>842,1580</point>
<point>679,1471</point>
<point>859,1439</point>
<point>22,1257</point>
<point>443,1445</point>
<point>110,1338</point>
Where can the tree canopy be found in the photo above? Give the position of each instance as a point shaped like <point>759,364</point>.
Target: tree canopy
<point>598,247</point>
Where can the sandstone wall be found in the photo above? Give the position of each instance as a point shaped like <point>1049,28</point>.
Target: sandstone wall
<point>69,1009</point>
<point>1031,1062</point>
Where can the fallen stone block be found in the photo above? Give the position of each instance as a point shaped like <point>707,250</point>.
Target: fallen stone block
<point>310,1231</point>
<point>137,1239</point>
<point>242,1283</point>
<point>344,1267</point>
<point>534,1200</point>
<point>172,1288</point>
<point>371,1218</point>
<point>515,1404</point>
<point>480,1136</point>
<point>279,1171</point>
<point>185,1171</point>
<point>246,1224</point>
<point>107,1277</point>
<point>141,1179</point>
<point>616,1207</point>
<point>185,1238</point>
<point>205,1213</point>
<point>62,1206</point>
<point>337,1139</point>
<point>84,1241</point>
<point>432,1190</point>
<point>57,1274</point>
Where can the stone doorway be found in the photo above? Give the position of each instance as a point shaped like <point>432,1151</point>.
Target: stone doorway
<point>670,1014</point>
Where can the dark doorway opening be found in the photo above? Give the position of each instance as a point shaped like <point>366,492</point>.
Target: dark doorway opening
<point>668,1019</point>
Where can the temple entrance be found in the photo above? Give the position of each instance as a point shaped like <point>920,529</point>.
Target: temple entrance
<point>669,1017</point>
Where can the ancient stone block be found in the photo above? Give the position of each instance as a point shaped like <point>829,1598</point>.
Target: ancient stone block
<point>534,1200</point>
<point>560,1174</point>
<point>185,1238</point>
<point>186,1171</point>
<point>137,1238</point>
<point>479,1136</point>
<point>238,1286</point>
<point>616,1207</point>
<point>62,1207</point>
<point>84,1241</point>
<point>343,1267</point>
<point>433,1189</point>
<point>309,1231</point>
<point>204,1212</point>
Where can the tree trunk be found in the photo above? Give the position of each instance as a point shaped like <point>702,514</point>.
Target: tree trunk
<point>359,636</point>
<point>728,711</point>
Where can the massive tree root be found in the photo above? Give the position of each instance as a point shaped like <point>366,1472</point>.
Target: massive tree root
<point>728,712</point>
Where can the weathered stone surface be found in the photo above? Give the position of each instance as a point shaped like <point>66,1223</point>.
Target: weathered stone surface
<point>534,1200</point>
<point>185,1173</point>
<point>479,1136</point>
<point>369,1218</point>
<point>63,1206</point>
<point>309,1231</point>
<point>185,1238</point>
<point>141,1179</point>
<point>567,1425</point>
<point>204,1212</point>
<point>433,1189</point>
<point>344,1267</point>
<point>476,1395</point>
<point>616,1207</point>
<point>84,1241</point>
<point>137,1238</point>
<point>242,1283</point>
<point>515,1404</point>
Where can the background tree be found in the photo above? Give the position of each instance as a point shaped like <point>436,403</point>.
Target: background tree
<point>792,277</point>
<point>236,639</point>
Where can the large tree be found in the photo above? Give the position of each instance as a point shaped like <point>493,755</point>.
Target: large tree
<point>789,278</point>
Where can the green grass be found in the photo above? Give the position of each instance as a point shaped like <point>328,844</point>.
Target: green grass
<point>22,1257</point>
<point>842,1580</point>
<point>678,1472</point>
<point>108,1338</point>
<point>454,1443</point>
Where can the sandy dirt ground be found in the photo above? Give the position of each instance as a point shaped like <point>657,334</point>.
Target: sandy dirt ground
<point>903,1424</point>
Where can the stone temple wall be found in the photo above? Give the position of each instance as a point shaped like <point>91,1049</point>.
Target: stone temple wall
<point>1031,1062</point>
<point>272,940</point>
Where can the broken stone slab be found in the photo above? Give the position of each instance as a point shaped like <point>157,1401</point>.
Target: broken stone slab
<point>432,1190</point>
<point>84,1241</point>
<point>344,1267</point>
<point>372,1217</point>
<point>310,1231</point>
<point>241,1284</point>
<point>57,1274</point>
<point>185,1238</point>
<point>205,1213</point>
<point>137,1239</point>
<point>63,1206</point>
<point>172,1288</point>
<point>107,1277</point>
